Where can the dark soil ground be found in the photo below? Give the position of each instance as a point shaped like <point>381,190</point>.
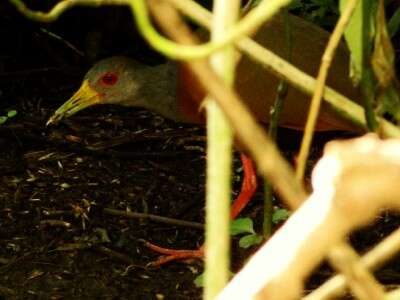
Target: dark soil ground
<point>57,238</point>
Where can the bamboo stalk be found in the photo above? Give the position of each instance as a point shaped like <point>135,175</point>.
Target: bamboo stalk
<point>219,159</point>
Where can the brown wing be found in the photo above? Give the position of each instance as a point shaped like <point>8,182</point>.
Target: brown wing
<point>258,86</point>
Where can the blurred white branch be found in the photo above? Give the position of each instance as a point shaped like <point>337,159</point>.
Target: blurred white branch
<point>352,183</point>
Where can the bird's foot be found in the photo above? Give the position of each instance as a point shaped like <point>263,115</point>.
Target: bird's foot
<point>249,186</point>
<point>169,255</point>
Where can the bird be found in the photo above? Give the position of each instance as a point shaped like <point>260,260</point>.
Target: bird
<point>172,91</point>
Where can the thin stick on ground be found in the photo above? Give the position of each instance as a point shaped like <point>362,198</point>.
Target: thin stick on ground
<point>155,218</point>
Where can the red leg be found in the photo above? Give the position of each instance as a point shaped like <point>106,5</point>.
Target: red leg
<point>249,186</point>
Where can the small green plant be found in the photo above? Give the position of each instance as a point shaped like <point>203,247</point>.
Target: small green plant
<point>280,215</point>
<point>238,226</point>
<point>199,280</point>
<point>251,238</point>
<point>8,115</point>
<point>245,226</point>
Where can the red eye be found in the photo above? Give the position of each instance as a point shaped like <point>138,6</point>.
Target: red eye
<point>109,79</point>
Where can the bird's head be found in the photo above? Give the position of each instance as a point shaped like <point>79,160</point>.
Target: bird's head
<point>110,81</point>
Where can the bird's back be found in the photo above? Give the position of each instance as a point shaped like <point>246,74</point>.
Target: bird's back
<point>258,86</point>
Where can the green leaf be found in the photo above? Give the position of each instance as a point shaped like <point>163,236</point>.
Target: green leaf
<point>250,240</point>
<point>11,113</point>
<point>389,102</point>
<point>280,215</point>
<point>199,280</point>
<point>382,63</point>
<point>358,36</point>
<point>383,56</point>
<point>394,23</point>
<point>241,225</point>
<point>3,119</point>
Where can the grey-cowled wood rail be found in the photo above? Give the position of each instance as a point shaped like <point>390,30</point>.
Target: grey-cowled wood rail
<point>173,92</point>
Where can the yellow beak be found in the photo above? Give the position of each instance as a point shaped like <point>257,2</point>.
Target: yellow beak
<point>83,98</point>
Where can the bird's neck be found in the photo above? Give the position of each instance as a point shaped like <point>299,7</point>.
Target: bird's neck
<point>165,90</point>
<point>157,90</point>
